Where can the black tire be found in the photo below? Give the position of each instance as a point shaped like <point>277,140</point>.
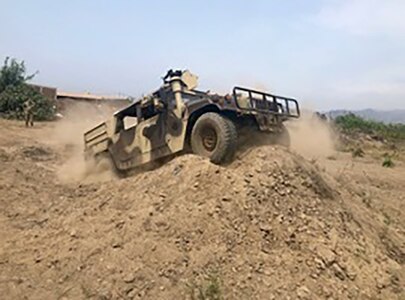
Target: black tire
<point>215,137</point>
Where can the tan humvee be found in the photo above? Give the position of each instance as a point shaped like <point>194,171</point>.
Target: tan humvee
<point>178,118</point>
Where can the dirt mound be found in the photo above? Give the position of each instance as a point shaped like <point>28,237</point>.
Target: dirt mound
<point>37,153</point>
<point>272,225</point>
<point>4,156</point>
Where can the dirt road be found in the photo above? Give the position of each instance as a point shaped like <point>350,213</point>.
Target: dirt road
<point>272,225</point>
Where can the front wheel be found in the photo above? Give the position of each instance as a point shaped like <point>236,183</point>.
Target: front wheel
<point>215,137</point>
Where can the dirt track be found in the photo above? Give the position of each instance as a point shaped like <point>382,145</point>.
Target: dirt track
<point>272,225</point>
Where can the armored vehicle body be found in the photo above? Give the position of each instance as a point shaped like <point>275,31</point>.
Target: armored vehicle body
<point>179,118</point>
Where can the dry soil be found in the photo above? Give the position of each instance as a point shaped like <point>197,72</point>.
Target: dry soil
<point>275,224</point>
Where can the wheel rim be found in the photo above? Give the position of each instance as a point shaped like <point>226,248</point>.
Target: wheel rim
<point>209,138</point>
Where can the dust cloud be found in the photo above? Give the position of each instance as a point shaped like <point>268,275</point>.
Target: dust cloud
<point>311,137</point>
<point>67,135</point>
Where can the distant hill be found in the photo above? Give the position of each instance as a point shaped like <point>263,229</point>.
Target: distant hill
<point>386,116</point>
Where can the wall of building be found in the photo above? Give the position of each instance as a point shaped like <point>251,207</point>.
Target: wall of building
<point>48,92</point>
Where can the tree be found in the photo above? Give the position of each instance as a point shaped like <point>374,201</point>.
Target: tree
<point>12,101</point>
<point>13,73</point>
<point>14,92</point>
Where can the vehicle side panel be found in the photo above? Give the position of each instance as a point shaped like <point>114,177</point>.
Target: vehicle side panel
<point>151,139</point>
<point>97,139</point>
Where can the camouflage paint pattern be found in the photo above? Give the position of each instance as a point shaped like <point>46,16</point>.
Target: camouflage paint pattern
<point>175,106</point>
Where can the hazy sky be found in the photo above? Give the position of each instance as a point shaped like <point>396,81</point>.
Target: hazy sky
<point>328,53</point>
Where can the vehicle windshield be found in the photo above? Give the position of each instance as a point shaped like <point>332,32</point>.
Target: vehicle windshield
<point>135,113</point>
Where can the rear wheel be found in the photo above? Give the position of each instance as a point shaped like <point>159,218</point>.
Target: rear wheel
<point>215,137</point>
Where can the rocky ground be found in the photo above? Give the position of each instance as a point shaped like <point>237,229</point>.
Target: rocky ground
<point>272,225</point>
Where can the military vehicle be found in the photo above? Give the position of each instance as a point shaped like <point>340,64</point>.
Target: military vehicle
<point>178,118</point>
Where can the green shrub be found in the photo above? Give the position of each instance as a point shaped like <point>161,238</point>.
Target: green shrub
<point>209,290</point>
<point>387,162</point>
<point>357,152</point>
<point>12,102</point>
<point>13,73</point>
<point>351,123</point>
<point>14,92</point>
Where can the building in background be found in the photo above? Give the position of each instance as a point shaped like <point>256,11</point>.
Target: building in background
<point>65,100</point>
<point>48,92</point>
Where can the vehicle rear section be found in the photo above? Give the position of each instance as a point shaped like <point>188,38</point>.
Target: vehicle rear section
<point>220,128</point>
<point>269,111</point>
<point>96,140</point>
